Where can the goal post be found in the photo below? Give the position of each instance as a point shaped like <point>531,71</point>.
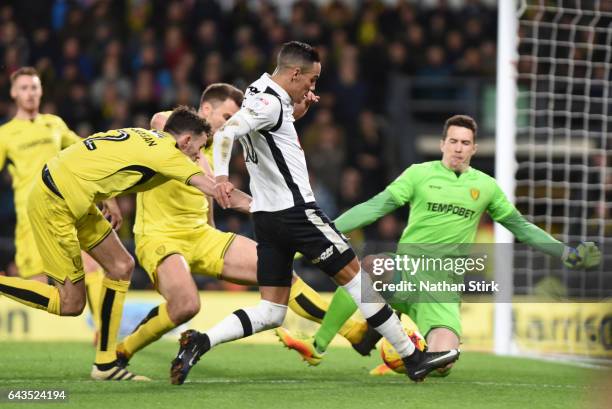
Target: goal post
<point>505,165</point>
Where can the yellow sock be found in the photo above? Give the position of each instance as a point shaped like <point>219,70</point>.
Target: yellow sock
<point>150,329</point>
<point>353,330</point>
<point>409,323</point>
<point>112,297</point>
<point>306,302</point>
<point>31,293</point>
<point>93,284</point>
<point>417,337</point>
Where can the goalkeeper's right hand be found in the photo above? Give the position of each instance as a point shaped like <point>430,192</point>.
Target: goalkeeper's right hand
<point>586,255</point>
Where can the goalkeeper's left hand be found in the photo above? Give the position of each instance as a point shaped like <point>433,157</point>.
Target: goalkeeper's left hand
<point>586,255</point>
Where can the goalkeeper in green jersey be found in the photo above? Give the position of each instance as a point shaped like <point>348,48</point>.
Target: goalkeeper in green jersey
<point>447,199</point>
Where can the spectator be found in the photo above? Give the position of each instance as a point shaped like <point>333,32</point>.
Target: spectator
<point>327,159</point>
<point>368,153</point>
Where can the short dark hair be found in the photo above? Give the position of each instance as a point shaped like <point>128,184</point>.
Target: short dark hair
<point>463,121</point>
<point>296,53</point>
<point>219,92</point>
<point>184,119</point>
<point>30,71</point>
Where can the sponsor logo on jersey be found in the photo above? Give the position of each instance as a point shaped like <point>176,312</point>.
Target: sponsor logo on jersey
<point>41,141</point>
<point>450,209</point>
<point>475,193</point>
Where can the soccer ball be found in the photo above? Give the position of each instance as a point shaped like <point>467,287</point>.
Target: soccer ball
<point>390,356</point>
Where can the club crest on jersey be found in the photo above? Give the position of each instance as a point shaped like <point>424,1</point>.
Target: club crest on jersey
<point>475,193</point>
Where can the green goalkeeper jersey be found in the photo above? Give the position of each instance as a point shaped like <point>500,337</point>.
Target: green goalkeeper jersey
<point>445,207</point>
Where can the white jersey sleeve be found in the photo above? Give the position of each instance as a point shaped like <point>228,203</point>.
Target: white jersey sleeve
<point>262,111</point>
<point>273,155</point>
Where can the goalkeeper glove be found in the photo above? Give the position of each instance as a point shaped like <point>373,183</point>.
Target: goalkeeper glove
<point>586,255</point>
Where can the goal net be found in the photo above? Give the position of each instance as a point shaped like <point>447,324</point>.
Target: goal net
<point>564,139</point>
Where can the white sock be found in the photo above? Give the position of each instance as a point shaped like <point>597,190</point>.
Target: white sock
<point>247,321</point>
<point>380,316</point>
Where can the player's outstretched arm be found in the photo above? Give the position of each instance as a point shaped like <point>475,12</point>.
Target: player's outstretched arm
<point>585,255</point>
<point>240,201</point>
<point>203,162</point>
<point>367,212</point>
<point>207,185</point>
<point>261,111</point>
<point>223,141</point>
<point>223,192</point>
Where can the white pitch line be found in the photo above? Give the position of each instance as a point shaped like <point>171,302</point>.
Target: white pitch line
<point>588,363</point>
<point>305,381</point>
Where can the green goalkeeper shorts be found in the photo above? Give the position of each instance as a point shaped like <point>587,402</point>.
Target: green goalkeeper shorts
<point>428,310</point>
<point>430,315</point>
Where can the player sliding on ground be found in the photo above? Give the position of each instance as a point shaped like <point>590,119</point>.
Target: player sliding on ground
<point>64,218</point>
<point>430,188</point>
<point>175,237</point>
<point>287,218</point>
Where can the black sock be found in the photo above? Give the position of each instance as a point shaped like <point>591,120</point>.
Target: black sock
<point>106,367</point>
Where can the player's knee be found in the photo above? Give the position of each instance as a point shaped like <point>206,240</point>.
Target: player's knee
<point>72,307</point>
<point>123,268</point>
<point>367,263</point>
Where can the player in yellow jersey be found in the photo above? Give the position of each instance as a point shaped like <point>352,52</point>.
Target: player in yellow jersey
<point>175,237</point>
<point>64,218</point>
<point>26,142</point>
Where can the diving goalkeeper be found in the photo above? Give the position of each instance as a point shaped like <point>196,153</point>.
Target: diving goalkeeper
<point>447,199</point>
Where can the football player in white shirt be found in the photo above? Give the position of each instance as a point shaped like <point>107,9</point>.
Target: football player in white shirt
<point>287,219</point>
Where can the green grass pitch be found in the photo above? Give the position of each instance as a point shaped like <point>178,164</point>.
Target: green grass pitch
<point>267,376</point>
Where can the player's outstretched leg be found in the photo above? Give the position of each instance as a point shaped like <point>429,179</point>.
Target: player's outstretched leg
<point>305,346</point>
<point>115,373</point>
<point>118,265</point>
<point>193,345</point>
<point>94,274</point>
<point>381,317</point>
<point>419,364</point>
<point>174,282</point>
<point>240,324</point>
<point>240,266</point>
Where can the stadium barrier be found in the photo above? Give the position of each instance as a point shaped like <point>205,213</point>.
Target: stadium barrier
<point>583,329</point>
